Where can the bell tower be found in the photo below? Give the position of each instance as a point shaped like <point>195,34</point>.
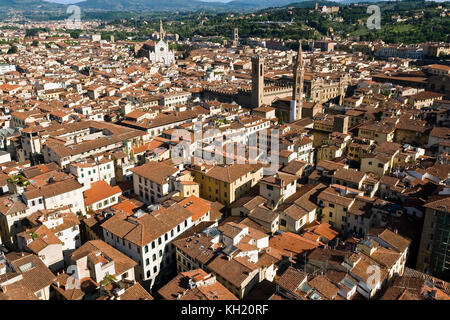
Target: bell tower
<point>257,81</point>
<point>235,42</point>
<point>162,33</point>
<point>297,92</point>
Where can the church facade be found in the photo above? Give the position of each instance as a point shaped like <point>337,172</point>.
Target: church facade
<point>162,54</point>
<point>157,52</point>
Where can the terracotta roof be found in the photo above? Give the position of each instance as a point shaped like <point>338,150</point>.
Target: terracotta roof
<point>53,189</point>
<point>197,206</point>
<point>17,291</point>
<point>143,230</point>
<point>136,292</point>
<point>291,279</point>
<point>397,241</point>
<point>233,172</point>
<point>36,275</point>
<point>99,191</point>
<point>349,175</point>
<point>178,288</point>
<point>157,172</point>
<point>122,263</point>
<point>324,286</point>
<point>289,243</point>
<point>232,270</point>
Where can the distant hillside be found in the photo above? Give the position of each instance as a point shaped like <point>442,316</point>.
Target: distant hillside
<point>28,4</point>
<point>194,5</point>
<point>312,3</point>
<point>140,6</point>
<point>182,5</point>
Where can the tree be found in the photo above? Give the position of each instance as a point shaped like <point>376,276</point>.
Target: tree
<point>35,43</point>
<point>75,34</point>
<point>12,49</point>
<point>107,281</point>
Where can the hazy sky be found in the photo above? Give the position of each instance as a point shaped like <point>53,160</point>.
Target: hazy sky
<point>64,1</point>
<point>75,1</point>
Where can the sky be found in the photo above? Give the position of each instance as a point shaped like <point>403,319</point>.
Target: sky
<point>64,1</point>
<point>75,1</point>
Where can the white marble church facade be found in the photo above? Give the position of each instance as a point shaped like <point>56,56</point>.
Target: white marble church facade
<point>161,52</point>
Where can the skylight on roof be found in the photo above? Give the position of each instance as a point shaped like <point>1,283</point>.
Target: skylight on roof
<point>26,267</point>
<point>305,288</point>
<point>315,296</point>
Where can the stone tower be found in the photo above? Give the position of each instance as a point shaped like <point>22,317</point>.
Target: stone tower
<point>340,123</point>
<point>341,91</point>
<point>297,92</point>
<point>162,33</point>
<point>257,81</point>
<point>235,42</point>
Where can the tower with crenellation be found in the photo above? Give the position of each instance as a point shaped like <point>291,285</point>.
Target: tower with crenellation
<point>257,81</point>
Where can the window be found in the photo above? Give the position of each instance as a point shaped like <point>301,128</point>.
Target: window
<point>331,214</point>
<point>148,274</point>
<point>146,249</point>
<point>153,244</point>
<point>155,269</point>
<point>331,205</point>
<point>147,261</point>
<point>160,253</point>
<point>283,222</point>
<point>154,257</point>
